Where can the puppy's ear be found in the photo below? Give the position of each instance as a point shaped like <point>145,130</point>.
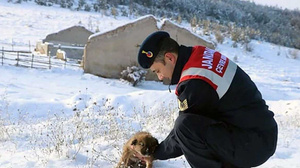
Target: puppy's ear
<point>134,142</point>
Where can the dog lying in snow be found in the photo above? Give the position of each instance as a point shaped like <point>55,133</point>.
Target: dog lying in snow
<point>138,151</point>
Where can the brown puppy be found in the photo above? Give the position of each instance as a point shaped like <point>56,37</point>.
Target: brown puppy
<point>138,151</point>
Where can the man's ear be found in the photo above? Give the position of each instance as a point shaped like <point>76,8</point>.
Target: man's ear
<point>134,142</point>
<point>170,57</point>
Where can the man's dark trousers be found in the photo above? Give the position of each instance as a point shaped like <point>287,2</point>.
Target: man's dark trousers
<point>207,143</point>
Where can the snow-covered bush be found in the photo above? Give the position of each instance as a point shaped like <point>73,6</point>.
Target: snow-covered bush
<point>294,53</point>
<point>219,37</point>
<point>133,75</point>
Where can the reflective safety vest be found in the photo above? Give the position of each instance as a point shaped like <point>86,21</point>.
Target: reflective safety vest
<point>210,66</point>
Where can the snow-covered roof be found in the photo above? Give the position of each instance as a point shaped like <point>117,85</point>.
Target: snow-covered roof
<point>72,27</point>
<point>115,28</point>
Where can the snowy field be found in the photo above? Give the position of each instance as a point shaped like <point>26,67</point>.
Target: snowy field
<point>64,118</point>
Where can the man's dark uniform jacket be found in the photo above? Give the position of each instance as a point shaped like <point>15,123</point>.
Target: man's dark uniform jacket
<point>211,85</point>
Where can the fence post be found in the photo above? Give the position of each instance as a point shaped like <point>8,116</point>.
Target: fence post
<point>18,58</point>
<point>49,59</point>
<point>2,55</point>
<point>65,60</point>
<point>32,61</point>
<point>29,46</point>
<point>12,44</point>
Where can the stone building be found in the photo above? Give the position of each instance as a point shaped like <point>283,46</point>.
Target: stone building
<point>107,54</point>
<point>71,40</point>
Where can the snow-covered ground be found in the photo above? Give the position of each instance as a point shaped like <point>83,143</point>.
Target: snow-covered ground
<point>64,118</point>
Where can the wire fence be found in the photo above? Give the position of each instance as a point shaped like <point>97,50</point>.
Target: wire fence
<point>34,60</point>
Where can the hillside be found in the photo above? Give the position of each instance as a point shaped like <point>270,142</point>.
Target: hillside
<point>62,117</point>
<point>271,24</point>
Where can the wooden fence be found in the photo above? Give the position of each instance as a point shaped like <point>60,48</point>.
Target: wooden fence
<point>31,60</point>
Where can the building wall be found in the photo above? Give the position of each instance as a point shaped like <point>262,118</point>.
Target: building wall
<point>51,49</point>
<point>41,47</point>
<point>76,35</point>
<point>71,51</point>
<point>183,36</point>
<point>108,54</point>
<point>71,40</point>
